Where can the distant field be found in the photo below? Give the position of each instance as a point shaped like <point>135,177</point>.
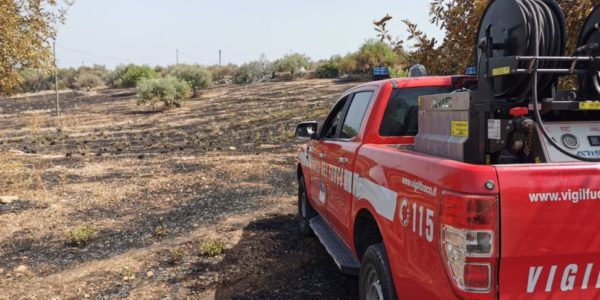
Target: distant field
<point>144,189</point>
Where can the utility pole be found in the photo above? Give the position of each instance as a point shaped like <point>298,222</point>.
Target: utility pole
<point>219,57</point>
<point>56,80</point>
<point>177,56</point>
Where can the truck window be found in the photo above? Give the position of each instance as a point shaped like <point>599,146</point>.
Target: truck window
<point>356,114</point>
<point>332,123</point>
<point>402,112</point>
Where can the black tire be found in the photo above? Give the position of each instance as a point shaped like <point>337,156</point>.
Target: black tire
<point>305,211</point>
<point>375,280</point>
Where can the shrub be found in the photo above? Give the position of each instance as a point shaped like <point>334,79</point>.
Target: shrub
<point>169,90</point>
<point>371,54</point>
<point>82,235</point>
<point>33,80</point>
<point>114,78</point>
<point>196,76</point>
<point>87,81</point>
<point>130,75</point>
<point>161,71</point>
<point>211,248</point>
<point>250,72</point>
<point>161,229</point>
<point>292,63</point>
<point>329,68</point>
<point>176,254</point>
<point>99,70</point>
<point>221,72</point>
<point>348,64</point>
<point>66,78</point>
<point>397,73</point>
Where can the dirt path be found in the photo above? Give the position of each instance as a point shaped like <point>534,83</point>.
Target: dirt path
<point>154,186</point>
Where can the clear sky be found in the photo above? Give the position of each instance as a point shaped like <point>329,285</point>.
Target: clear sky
<point>111,32</point>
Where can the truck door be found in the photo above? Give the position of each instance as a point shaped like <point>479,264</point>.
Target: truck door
<point>319,192</point>
<point>340,159</point>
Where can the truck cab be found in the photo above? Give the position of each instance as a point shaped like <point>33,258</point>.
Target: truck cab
<point>419,226</point>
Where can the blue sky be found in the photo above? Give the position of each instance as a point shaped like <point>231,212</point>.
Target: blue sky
<point>111,32</point>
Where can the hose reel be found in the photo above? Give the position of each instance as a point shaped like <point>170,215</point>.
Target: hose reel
<point>508,29</point>
<point>588,44</point>
<point>521,54</point>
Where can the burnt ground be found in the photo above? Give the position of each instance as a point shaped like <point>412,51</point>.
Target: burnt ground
<point>154,185</point>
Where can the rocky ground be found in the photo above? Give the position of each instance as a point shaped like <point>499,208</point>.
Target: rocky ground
<point>115,200</point>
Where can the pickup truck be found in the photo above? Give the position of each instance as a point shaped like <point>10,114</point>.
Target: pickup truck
<point>416,226</point>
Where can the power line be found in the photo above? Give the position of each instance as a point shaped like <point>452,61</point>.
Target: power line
<point>101,56</point>
<point>189,56</point>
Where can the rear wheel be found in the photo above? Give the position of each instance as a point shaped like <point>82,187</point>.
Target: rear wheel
<point>305,211</point>
<point>375,281</point>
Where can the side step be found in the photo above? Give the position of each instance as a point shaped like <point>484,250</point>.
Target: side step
<point>338,250</point>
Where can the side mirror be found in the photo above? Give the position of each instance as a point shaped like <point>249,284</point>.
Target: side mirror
<point>307,130</point>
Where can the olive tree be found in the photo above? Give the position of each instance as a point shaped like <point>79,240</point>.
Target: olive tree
<point>196,76</point>
<point>292,63</point>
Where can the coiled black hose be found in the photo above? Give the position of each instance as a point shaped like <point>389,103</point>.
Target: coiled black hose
<point>544,38</point>
<point>537,18</point>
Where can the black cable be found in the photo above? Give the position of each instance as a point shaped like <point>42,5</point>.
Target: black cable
<point>536,19</point>
<point>548,43</point>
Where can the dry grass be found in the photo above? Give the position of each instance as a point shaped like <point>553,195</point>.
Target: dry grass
<point>19,176</point>
<point>148,182</point>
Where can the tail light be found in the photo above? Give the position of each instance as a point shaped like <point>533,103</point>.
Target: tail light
<point>469,244</point>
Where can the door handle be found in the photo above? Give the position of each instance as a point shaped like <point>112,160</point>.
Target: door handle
<point>322,155</point>
<point>343,160</point>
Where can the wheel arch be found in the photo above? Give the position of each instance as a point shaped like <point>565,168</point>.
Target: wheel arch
<point>366,232</point>
<point>299,172</point>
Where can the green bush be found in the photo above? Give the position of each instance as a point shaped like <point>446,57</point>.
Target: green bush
<point>371,54</point>
<point>211,248</point>
<point>398,73</point>
<point>221,72</point>
<point>130,75</point>
<point>292,63</point>
<point>250,72</point>
<point>329,68</point>
<point>82,235</point>
<point>169,90</point>
<point>196,76</point>
<point>114,77</point>
<point>349,64</point>
<point>87,81</point>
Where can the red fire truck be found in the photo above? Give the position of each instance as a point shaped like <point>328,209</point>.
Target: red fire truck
<point>473,187</point>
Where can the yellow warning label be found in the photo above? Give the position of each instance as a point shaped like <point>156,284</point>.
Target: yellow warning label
<point>501,71</point>
<point>589,105</point>
<point>460,128</point>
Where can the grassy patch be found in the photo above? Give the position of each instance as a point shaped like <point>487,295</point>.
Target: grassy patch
<point>211,248</point>
<point>176,254</point>
<point>82,235</point>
